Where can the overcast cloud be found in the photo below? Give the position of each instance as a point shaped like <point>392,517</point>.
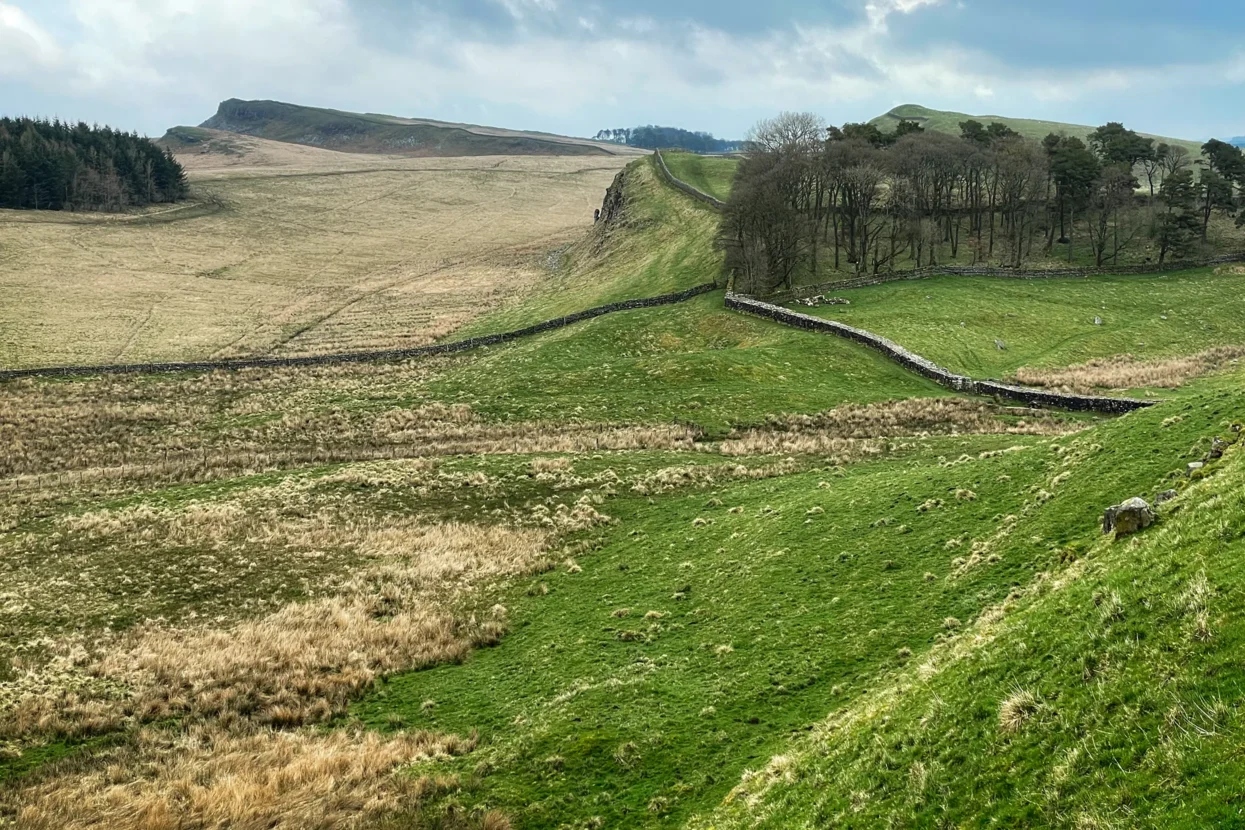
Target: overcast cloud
<point>576,67</point>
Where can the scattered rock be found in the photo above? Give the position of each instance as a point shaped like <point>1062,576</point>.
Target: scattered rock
<point>813,302</point>
<point>1129,517</point>
<point>1000,345</point>
<point>1097,321</point>
<point>1218,447</point>
<point>1165,497</point>
<point>1195,466</point>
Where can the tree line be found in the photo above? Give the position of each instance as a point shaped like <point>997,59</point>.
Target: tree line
<point>663,138</point>
<point>51,165</point>
<point>808,198</point>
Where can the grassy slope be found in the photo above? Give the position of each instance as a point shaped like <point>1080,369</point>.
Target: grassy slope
<point>949,122</point>
<point>694,362</point>
<point>1050,322</point>
<point>770,616</point>
<point>663,244</point>
<point>359,133</point>
<point>1132,658</point>
<point>767,616</point>
<point>708,174</point>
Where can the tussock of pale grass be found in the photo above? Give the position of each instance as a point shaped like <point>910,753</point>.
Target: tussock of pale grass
<point>1128,372</point>
<point>669,479</point>
<point>260,781</point>
<point>1016,710</point>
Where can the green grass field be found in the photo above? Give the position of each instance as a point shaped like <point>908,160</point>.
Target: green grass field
<point>632,573</point>
<point>711,627</point>
<point>1105,695</point>
<point>708,174</point>
<point>695,362</point>
<point>1050,322</point>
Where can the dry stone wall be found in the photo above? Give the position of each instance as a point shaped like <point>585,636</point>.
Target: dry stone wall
<point>700,195</point>
<point>360,357</point>
<point>931,370</point>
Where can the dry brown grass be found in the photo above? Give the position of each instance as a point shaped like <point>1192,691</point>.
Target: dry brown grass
<point>312,252</point>
<point>121,434</point>
<point>1127,372</point>
<point>852,432</point>
<point>301,664</point>
<point>259,781</point>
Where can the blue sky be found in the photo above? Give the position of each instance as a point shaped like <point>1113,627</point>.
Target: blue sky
<point>576,67</point>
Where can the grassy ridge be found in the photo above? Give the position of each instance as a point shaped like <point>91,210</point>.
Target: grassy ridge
<point>708,174</point>
<point>1106,696</point>
<point>360,133</point>
<point>1050,322</point>
<point>949,122</point>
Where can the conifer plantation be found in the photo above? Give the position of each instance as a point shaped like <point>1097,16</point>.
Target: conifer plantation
<point>50,165</point>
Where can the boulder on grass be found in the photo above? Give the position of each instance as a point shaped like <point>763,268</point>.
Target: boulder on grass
<point>1127,518</point>
<point>1218,447</point>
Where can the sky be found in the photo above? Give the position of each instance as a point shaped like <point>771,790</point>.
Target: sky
<point>1171,68</point>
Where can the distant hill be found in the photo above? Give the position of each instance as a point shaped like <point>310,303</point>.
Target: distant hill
<point>1239,141</point>
<point>371,133</point>
<point>949,122</point>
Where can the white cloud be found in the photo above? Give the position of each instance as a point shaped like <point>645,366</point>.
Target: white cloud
<point>24,45</point>
<point>175,59</point>
<point>878,11</point>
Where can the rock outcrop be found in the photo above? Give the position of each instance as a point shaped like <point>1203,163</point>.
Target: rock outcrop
<point>612,207</point>
<point>1127,518</point>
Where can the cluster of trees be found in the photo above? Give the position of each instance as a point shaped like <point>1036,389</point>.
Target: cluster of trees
<point>810,197</point>
<point>662,138</point>
<point>50,165</point>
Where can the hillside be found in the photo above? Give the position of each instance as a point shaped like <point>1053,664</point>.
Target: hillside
<point>289,249</point>
<point>370,133</point>
<point>673,567</point>
<point>949,122</point>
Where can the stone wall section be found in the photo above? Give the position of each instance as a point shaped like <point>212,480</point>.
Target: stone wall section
<point>360,357</point>
<point>699,195</point>
<point>927,368</point>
